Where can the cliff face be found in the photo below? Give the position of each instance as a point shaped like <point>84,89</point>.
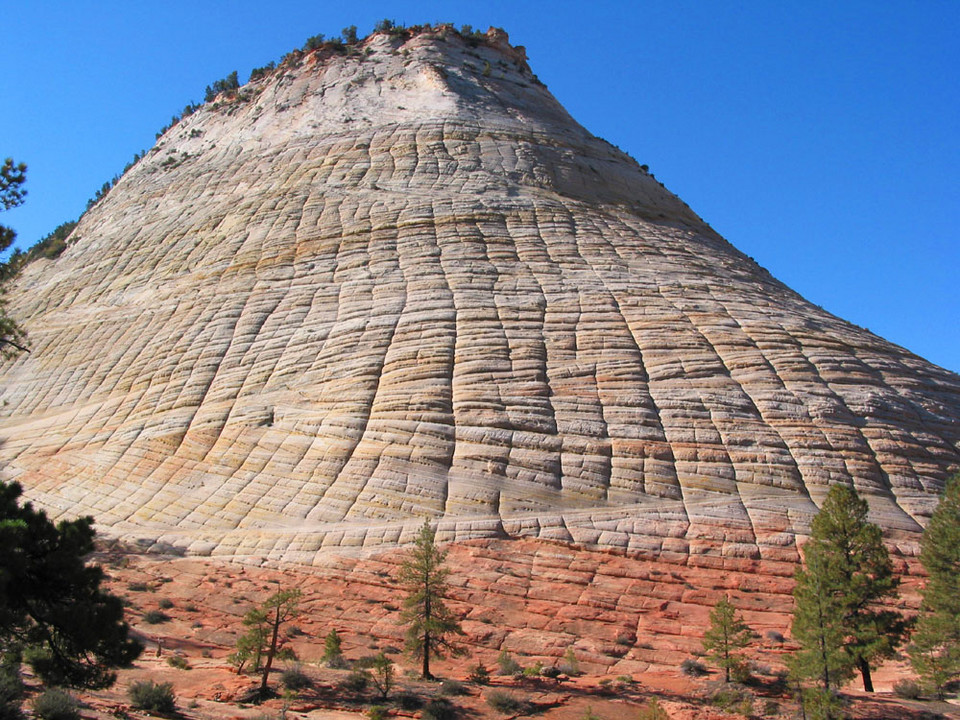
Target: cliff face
<point>404,283</point>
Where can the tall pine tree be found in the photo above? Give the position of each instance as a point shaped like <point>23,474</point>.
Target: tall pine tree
<point>727,634</point>
<point>837,618</point>
<point>935,652</point>
<point>430,622</point>
<point>51,604</point>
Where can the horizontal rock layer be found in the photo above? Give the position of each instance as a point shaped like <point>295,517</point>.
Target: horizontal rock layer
<point>404,284</point>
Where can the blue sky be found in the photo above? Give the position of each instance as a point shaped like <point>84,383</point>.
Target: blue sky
<point>821,138</point>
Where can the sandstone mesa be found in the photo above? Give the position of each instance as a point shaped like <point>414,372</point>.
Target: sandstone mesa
<point>405,283</point>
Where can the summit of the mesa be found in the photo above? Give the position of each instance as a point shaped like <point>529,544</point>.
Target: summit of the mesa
<point>394,280</point>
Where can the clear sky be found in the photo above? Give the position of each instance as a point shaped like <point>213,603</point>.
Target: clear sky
<point>819,137</point>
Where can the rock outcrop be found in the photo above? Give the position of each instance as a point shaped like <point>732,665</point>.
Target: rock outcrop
<point>402,282</point>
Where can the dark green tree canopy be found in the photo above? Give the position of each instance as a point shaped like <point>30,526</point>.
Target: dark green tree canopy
<point>838,619</point>
<point>12,178</point>
<point>726,636</point>
<point>430,623</point>
<point>51,604</point>
<point>935,652</point>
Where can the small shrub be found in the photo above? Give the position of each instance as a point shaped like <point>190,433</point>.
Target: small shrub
<point>190,607</point>
<point>56,704</point>
<point>408,700</point>
<point>505,703</point>
<point>377,712</point>
<point>294,631</point>
<point>771,708</point>
<point>155,617</point>
<point>10,710</point>
<point>507,665</point>
<point>534,670</point>
<point>479,674</point>
<point>179,662</point>
<point>453,687</point>
<point>589,714</point>
<point>165,603</point>
<point>569,665</point>
<point>294,678</point>
<point>382,675</point>
<point>732,699</point>
<point>624,638</point>
<point>653,711</point>
<point>333,651</point>
<point>356,682</point>
<point>439,709</point>
<point>693,668</point>
<point>775,636</point>
<point>138,587</point>
<point>153,697</point>
<point>907,689</point>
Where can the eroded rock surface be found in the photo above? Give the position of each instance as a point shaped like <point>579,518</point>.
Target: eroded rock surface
<point>404,283</point>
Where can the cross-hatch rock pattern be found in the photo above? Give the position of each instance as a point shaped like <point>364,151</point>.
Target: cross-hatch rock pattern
<point>404,283</point>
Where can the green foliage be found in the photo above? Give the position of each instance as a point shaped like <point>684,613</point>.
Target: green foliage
<point>453,687</point>
<point>12,178</point>
<point>727,634</point>
<point>153,697</point>
<point>11,687</point>
<point>693,668</point>
<point>294,678</point>
<point>505,702</point>
<point>382,674</point>
<point>155,617</point>
<point>836,619</point>
<point>259,73</point>
<point>732,699</point>
<point>229,85</point>
<point>314,42</point>
<point>56,704</point>
<point>479,674</point>
<point>935,651</point>
<point>377,712</point>
<point>349,35</point>
<point>279,608</point>
<point>51,602</point>
<point>507,664</point>
<point>821,704</point>
<point>356,682</point>
<point>430,623</point>
<point>569,665</point>
<point>179,662</point>
<point>653,711</point>
<point>439,709</point>
<point>333,651</point>
<point>250,645</point>
<point>907,689</point>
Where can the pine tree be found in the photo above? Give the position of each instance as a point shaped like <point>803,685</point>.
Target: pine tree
<point>278,609</point>
<point>51,605</point>
<point>727,634</point>
<point>12,178</point>
<point>935,652</point>
<point>848,572</point>
<point>333,650</point>
<point>430,622</point>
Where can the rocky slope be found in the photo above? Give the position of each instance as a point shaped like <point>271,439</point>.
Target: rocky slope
<point>401,283</point>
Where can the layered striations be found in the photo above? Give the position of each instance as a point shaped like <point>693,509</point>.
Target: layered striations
<point>404,283</point>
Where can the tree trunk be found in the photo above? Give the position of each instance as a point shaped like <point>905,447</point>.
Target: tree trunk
<point>426,657</point>
<point>865,673</point>
<point>270,652</point>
